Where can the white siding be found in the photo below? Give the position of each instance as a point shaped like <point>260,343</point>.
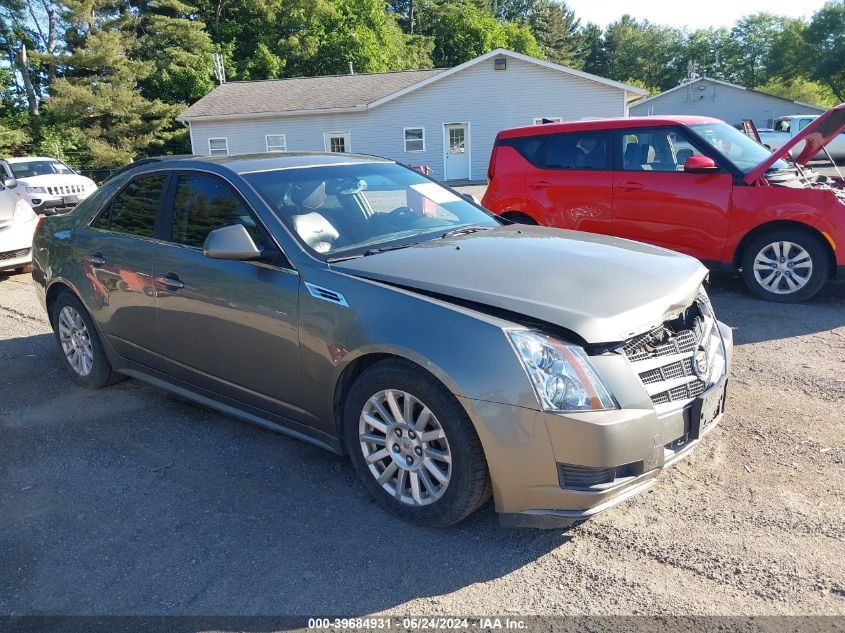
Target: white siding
<point>730,104</point>
<point>487,99</point>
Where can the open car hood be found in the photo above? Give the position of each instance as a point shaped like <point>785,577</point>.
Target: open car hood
<point>817,134</point>
<point>603,289</point>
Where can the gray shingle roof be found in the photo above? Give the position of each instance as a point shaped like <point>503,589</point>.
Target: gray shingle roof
<point>303,93</point>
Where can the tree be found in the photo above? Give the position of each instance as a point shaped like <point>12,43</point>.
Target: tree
<point>751,44</point>
<point>99,98</point>
<point>649,53</point>
<point>826,39</point>
<point>800,89</point>
<point>558,32</point>
<point>461,31</point>
<point>709,50</point>
<point>177,46</point>
<point>328,35</point>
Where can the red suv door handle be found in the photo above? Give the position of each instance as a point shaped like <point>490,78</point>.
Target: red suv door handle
<point>540,184</point>
<point>629,186</point>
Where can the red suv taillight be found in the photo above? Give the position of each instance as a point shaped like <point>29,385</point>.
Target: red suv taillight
<point>491,168</point>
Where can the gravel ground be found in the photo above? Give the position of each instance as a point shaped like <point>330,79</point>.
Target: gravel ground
<point>131,501</point>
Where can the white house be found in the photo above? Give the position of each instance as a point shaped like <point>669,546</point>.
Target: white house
<point>722,100</point>
<point>445,119</point>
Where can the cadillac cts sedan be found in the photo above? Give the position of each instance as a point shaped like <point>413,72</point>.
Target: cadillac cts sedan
<point>358,305</point>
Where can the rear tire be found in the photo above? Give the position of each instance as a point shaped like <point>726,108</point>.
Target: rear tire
<point>786,265</point>
<point>427,467</point>
<point>79,344</point>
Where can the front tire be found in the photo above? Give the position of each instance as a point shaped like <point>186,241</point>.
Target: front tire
<point>79,344</point>
<point>786,266</point>
<point>413,445</point>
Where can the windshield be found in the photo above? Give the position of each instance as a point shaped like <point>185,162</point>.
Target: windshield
<point>742,151</point>
<point>347,210</point>
<point>31,168</point>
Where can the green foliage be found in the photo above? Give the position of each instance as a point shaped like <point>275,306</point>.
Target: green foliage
<point>641,51</point>
<point>826,37</point>
<point>558,32</point>
<point>801,89</point>
<point>461,30</point>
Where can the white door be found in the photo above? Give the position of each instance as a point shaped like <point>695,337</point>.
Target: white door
<point>337,142</point>
<point>456,155</point>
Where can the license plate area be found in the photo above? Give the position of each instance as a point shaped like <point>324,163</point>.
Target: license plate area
<point>70,199</point>
<point>707,408</point>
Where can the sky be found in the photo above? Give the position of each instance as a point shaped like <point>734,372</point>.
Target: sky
<point>694,14</point>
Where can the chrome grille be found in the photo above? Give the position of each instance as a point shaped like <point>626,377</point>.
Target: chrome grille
<point>64,190</point>
<point>677,341</point>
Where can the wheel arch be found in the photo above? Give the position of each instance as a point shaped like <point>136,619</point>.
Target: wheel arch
<point>515,216</point>
<point>53,291</point>
<point>739,252</point>
<point>357,366</point>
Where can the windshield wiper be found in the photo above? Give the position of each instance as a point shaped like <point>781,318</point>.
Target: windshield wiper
<point>464,230</point>
<point>371,251</point>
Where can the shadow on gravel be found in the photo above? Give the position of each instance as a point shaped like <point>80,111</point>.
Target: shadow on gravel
<point>754,320</point>
<point>129,501</point>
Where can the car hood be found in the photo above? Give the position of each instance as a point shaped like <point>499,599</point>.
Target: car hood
<point>55,180</point>
<point>817,135</point>
<point>604,289</point>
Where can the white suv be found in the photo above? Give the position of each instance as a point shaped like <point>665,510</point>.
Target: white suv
<point>17,226</point>
<point>47,184</point>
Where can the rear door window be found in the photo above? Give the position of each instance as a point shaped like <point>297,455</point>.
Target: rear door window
<point>581,151</point>
<point>133,211</point>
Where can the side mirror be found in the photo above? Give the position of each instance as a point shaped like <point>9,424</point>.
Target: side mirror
<point>230,242</point>
<point>9,182</point>
<point>471,198</point>
<point>700,165</point>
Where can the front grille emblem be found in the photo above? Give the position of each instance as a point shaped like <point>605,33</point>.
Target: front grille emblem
<point>700,362</point>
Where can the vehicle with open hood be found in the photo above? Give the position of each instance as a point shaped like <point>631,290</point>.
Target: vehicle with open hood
<point>692,184</point>
<point>361,306</point>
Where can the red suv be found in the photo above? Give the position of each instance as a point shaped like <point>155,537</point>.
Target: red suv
<point>691,184</point>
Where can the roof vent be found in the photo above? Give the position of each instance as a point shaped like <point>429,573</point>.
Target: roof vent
<point>500,63</point>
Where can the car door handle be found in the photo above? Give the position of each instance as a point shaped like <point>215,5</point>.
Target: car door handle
<point>629,186</point>
<point>540,184</point>
<point>170,280</point>
<point>96,259</point>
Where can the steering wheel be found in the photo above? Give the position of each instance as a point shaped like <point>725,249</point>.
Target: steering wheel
<point>400,212</point>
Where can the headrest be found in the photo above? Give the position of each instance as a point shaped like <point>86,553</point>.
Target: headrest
<point>309,195</point>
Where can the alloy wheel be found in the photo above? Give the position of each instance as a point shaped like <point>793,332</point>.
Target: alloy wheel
<point>783,267</point>
<point>76,341</point>
<point>405,447</point>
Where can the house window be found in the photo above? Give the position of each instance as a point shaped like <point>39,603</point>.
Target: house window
<point>547,119</point>
<point>218,146</point>
<point>275,142</point>
<point>414,139</point>
<point>337,142</point>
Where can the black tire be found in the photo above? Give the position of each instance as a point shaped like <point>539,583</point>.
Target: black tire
<point>101,373</point>
<point>23,269</point>
<point>519,218</point>
<point>812,245</point>
<point>469,484</point>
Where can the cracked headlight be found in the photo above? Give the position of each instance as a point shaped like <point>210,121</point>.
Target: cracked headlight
<point>562,374</point>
